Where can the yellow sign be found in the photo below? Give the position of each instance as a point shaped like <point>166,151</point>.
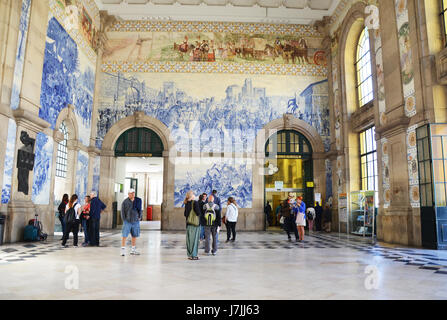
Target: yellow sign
<point>310,184</point>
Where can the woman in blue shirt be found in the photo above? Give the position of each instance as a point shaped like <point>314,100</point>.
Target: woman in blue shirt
<point>300,216</point>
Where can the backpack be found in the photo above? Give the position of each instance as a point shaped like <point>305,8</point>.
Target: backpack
<point>285,210</point>
<point>70,215</point>
<point>310,215</point>
<point>193,219</point>
<point>210,215</point>
<point>31,233</point>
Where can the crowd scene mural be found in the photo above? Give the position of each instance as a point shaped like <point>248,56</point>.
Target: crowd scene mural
<point>233,106</point>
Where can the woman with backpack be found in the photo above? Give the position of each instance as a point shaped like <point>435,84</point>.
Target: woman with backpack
<point>192,215</point>
<point>72,219</point>
<point>61,210</point>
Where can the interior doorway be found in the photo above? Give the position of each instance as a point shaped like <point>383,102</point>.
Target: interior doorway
<point>289,168</point>
<point>140,166</point>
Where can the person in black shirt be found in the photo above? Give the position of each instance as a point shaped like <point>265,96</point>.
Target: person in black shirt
<point>61,210</point>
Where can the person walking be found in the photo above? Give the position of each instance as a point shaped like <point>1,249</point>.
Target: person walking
<point>72,220</point>
<point>131,216</point>
<point>193,216</point>
<point>318,216</point>
<point>300,210</point>
<point>61,210</point>
<point>231,219</point>
<point>289,217</point>
<point>212,221</point>
<point>327,218</point>
<point>310,217</point>
<point>85,216</point>
<point>96,207</point>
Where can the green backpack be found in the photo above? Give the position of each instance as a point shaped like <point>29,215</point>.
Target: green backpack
<point>210,215</point>
<point>193,218</point>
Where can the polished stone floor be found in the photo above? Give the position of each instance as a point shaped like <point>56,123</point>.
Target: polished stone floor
<point>259,265</point>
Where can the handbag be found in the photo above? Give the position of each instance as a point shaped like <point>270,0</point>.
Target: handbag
<point>193,219</point>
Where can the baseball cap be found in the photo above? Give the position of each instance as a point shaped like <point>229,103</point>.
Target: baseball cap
<point>131,191</point>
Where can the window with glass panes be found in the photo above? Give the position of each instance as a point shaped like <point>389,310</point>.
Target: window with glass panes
<point>444,20</point>
<point>368,160</point>
<point>424,166</point>
<point>288,142</point>
<point>62,153</point>
<point>363,69</point>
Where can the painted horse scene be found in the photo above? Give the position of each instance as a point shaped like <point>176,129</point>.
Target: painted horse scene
<point>212,47</point>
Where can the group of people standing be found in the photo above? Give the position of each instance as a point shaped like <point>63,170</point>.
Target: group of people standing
<point>73,214</point>
<point>204,220</point>
<point>294,216</point>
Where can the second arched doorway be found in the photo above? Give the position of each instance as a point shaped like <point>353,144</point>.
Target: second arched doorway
<point>140,166</point>
<point>288,168</point>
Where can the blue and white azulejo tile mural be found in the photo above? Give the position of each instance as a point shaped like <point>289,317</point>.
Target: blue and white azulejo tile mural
<point>231,177</point>
<point>20,56</point>
<point>68,78</point>
<point>42,169</point>
<point>82,175</point>
<point>96,167</point>
<point>227,104</point>
<point>9,161</point>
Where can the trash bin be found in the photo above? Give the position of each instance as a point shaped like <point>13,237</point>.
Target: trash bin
<point>2,227</point>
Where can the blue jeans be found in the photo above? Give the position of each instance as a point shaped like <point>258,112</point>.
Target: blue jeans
<point>131,227</point>
<point>202,233</point>
<point>85,227</point>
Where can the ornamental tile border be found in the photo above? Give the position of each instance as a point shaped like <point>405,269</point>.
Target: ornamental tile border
<point>76,35</point>
<point>224,67</point>
<point>221,27</point>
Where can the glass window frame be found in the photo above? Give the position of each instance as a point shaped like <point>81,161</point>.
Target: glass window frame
<point>62,153</point>
<point>363,78</point>
<point>443,17</point>
<point>368,160</point>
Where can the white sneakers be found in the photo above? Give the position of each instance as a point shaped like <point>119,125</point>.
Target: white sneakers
<point>133,251</point>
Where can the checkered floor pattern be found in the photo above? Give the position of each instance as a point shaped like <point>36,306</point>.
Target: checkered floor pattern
<point>418,258</point>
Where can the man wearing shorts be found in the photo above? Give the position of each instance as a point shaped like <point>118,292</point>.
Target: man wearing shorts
<point>131,215</point>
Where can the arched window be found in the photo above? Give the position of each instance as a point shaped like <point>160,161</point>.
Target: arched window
<point>139,142</point>
<point>62,153</point>
<point>288,143</point>
<point>363,69</point>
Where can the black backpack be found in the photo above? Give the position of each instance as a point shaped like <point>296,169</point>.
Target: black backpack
<point>70,215</point>
<point>286,210</point>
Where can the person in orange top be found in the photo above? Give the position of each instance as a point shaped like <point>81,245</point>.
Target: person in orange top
<point>84,220</point>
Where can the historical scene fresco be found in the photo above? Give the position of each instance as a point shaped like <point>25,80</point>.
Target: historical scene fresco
<point>212,47</point>
<point>212,110</point>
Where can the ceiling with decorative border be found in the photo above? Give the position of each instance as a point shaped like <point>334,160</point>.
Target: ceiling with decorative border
<point>304,12</point>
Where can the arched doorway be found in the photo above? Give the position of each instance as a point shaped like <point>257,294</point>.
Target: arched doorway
<point>140,166</point>
<point>288,168</point>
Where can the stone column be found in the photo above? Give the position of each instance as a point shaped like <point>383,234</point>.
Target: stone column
<point>107,187</point>
<point>394,220</point>
<point>20,208</point>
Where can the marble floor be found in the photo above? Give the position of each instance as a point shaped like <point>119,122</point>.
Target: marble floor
<point>259,265</point>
